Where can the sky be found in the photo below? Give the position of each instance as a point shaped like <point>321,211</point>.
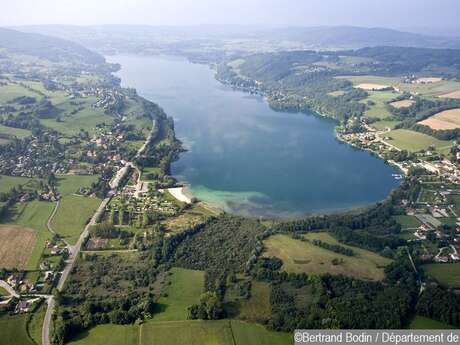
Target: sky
<point>422,14</point>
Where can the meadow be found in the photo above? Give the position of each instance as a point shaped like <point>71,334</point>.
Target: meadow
<point>413,141</point>
<point>72,215</point>
<point>16,132</point>
<point>304,257</point>
<point>108,334</point>
<point>445,274</point>
<point>8,182</point>
<point>379,104</point>
<point>182,289</point>
<point>69,184</point>
<point>15,327</point>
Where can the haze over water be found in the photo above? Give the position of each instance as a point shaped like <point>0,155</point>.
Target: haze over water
<point>247,158</point>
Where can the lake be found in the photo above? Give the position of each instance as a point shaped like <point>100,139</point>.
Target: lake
<point>248,159</point>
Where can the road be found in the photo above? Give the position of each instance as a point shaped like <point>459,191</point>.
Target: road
<point>47,321</point>
<point>8,288</point>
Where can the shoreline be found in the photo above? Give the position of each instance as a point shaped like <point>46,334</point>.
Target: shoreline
<point>181,194</point>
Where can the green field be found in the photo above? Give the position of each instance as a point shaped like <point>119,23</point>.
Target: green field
<point>3,292</point>
<point>304,257</point>
<point>413,141</point>
<point>445,274</point>
<point>421,322</point>
<point>8,182</point>
<point>190,332</point>
<point>17,132</point>
<point>69,184</point>
<point>379,109</point>
<point>11,91</point>
<point>407,221</point>
<point>34,215</point>
<point>85,119</point>
<point>108,335</point>
<point>384,124</point>
<point>35,326</point>
<point>73,214</point>
<point>14,330</point>
<point>185,289</point>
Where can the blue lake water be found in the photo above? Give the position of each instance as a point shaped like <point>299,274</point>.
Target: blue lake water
<point>248,159</point>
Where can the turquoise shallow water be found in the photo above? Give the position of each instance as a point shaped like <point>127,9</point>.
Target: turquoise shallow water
<point>247,158</point>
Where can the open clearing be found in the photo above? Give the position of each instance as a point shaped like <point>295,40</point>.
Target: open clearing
<point>421,322</point>
<point>377,104</point>
<point>184,290</point>
<point>16,246</point>
<point>304,257</point>
<point>448,119</point>
<point>70,184</point>
<point>402,104</point>
<point>72,216</point>
<point>413,141</point>
<point>445,274</point>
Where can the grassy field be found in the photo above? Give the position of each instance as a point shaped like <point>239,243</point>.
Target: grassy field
<point>379,108</point>
<point>69,184</point>
<point>34,215</point>
<point>405,103</point>
<point>8,182</point>
<point>16,246</point>
<point>85,119</point>
<point>34,328</point>
<point>72,215</point>
<point>384,124</point>
<point>11,91</point>
<point>14,328</point>
<point>185,289</point>
<point>257,307</point>
<point>17,132</point>
<point>414,141</point>
<point>421,322</point>
<point>445,274</point>
<point>304,257</point>
<point>108,334</point>
<point>254,334</point>
<point>190,332</point>
<point>408,221</point>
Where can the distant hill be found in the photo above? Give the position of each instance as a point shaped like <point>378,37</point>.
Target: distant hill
<point>144,37</point>
<point>343,37</point>
<point>47,47</point>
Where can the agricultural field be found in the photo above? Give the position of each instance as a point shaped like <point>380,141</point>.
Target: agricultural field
<point>181,289</point>
<point>438,89</point>
<point>336,93</point>
<point>372,87</point>
<point>405,103</point>
<point>304,257</point>
<point>16,246</point>
<point>383,125</point>
<point>15,327</point>
<point>454,94</point>
<point>421,322</point>
<point>413,141</point>
<point>108,334</point>
<point>445,274</point>
<point>377,107</point>
<point>12,91</point>
<point>72,216</point>
<point>34,215</point>
<point>448,119</point>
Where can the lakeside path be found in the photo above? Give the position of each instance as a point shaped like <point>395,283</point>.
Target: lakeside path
<point>75,250</point>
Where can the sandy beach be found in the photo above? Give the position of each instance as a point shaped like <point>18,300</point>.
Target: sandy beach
<point>180,194</point>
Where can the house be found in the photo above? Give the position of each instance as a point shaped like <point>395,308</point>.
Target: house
<point>25,305</point>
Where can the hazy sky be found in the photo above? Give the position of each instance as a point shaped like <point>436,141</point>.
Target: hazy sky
<point>386,13</point>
